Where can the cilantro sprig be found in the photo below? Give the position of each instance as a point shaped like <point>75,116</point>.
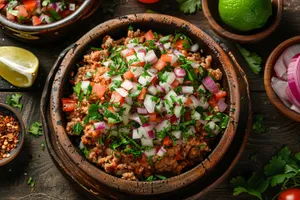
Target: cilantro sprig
<point>189,6</point>
<point>14,100</point>
<point>36,129</point>
<point>283,170</point>
<point>254,61</point>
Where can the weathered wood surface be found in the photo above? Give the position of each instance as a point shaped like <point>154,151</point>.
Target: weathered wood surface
<point>50,183</point>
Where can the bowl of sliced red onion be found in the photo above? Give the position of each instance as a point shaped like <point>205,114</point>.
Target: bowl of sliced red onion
<point>43,21</point>
<point>282,78</point>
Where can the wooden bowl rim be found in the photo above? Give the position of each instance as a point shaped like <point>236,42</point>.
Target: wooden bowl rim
<point>47,27</point>
<point>239,37</point>
<point>21,136</point>
<point>268,75</point>
<point>192,174</point>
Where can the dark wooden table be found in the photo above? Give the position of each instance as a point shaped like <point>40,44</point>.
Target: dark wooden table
<point>51,184</point>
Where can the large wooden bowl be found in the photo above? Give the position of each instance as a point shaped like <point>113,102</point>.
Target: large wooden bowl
<point>118,28</point>
<point>269,73</point>
<point>210,10</point>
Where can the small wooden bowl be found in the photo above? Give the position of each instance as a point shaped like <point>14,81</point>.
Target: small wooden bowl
<point>269,73</point>
<point>9,111</point>
<point>210,9</point>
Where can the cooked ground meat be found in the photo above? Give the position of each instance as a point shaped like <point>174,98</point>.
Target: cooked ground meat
<point>145,105</point>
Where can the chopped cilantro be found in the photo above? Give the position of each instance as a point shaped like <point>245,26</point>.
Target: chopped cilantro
<point>258,124</point>
<point>77,128</point>
<point>253,60</point>
<point>189,6</point>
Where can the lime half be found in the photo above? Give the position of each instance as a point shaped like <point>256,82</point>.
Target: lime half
<point>18,66</point>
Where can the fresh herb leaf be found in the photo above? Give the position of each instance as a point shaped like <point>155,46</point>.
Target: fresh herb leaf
<point>253,60</point>
<point>258,124</point>
<point>77,128</point>
<point>36,129</point>
<point>189,6</point>
<point>43,145</point>
<point>13,100</point>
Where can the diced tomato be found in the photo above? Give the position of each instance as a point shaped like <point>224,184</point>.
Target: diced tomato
<point>129,52</point>
<point>141,64</point>
<point>30,5</point>
<point>149,1</point>
<point>188,102</point>
<point>22,11</point>
<point>187,116</point>
<point>166,58</point>
<point>116,97</point>
<point>68,104</point>
<point>142,94</point>
<point>128,75</point>
<point>173,119</point>
<point>152,117</point>
<point>149,35</point>
<point>2,5</point>
<point>36,21</point>
<point>143,159</point>
<point>10,17</point>
<point>159,65</point>
<point>182,44</point>
<point>212,102</point>
<point>167,141</point>
<point>219,95</point>
<point>175,83</point>
<point>154,79</point>
<point>185,53</point>
<point>111,109</point>
<point>98,90</point>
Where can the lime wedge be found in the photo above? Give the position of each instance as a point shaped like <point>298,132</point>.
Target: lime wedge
<point>18,66</point>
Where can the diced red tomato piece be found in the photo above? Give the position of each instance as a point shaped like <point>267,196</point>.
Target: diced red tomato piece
<point>159,65</point>
<point>149,35</point>
<point>10,17</point>
<point>128,75</point>
<point>36,21</point>
<point>111,109</point>
<point>219,95</point>
<point>187,116</point>
<point>2,5</point>
<point>98,90</point>
<point>149,1</point>
<point>152,117</point>
<point>173,119</point>
<point>166,58</point>
<point>29,4</point>
<point>212,102</point>
<point>68,104</point>
<point>167,141</point>
<point>22,11</point>
<point>129,52</point>
<point>116,97</point>
<point>181,44</point>
<point>142,94</point>
<point>188,102</point>
<point>175,83</point>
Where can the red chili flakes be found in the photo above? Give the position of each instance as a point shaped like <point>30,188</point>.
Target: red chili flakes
<point>9,134</point>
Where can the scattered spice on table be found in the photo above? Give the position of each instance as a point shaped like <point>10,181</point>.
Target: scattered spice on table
<point>9,133</point>
<point>14,100</point>
<point>36,129</point>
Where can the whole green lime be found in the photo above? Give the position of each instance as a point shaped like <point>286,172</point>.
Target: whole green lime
<point>245,15</point>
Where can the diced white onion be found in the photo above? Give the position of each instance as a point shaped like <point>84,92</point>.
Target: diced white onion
<point>122,92</point>
<point>127,85</point>
<point>149,103</point>
<point>152,90</point>
<point>176,134</point>
<point>147,142</point>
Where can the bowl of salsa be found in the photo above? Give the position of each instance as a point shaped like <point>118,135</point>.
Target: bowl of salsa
<point>42,20</point>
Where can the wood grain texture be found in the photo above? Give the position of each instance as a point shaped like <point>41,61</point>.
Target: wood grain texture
<point>50,183</point>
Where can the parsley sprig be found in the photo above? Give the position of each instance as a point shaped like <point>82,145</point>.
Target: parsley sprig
<point>283,170</point>
<point>14,100</point>
<point>253,60</point>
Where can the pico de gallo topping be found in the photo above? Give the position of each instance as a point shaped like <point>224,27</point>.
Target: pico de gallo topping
<point>37,12</point>
<point>145,102</point>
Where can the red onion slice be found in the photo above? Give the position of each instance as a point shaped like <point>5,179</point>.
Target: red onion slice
<point>151,57</point>
<point>291,97</point>
<point>161,152</point>
<point>289,53</point>
<point>280,68</point>
<point>179,72</point>
<point>222,105</point>
<point>294,77</point>
<point>210,84</point>
<point>99,126</point>
<point>295,108</point>
<point>142,111</point>
<point>279,87</point>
